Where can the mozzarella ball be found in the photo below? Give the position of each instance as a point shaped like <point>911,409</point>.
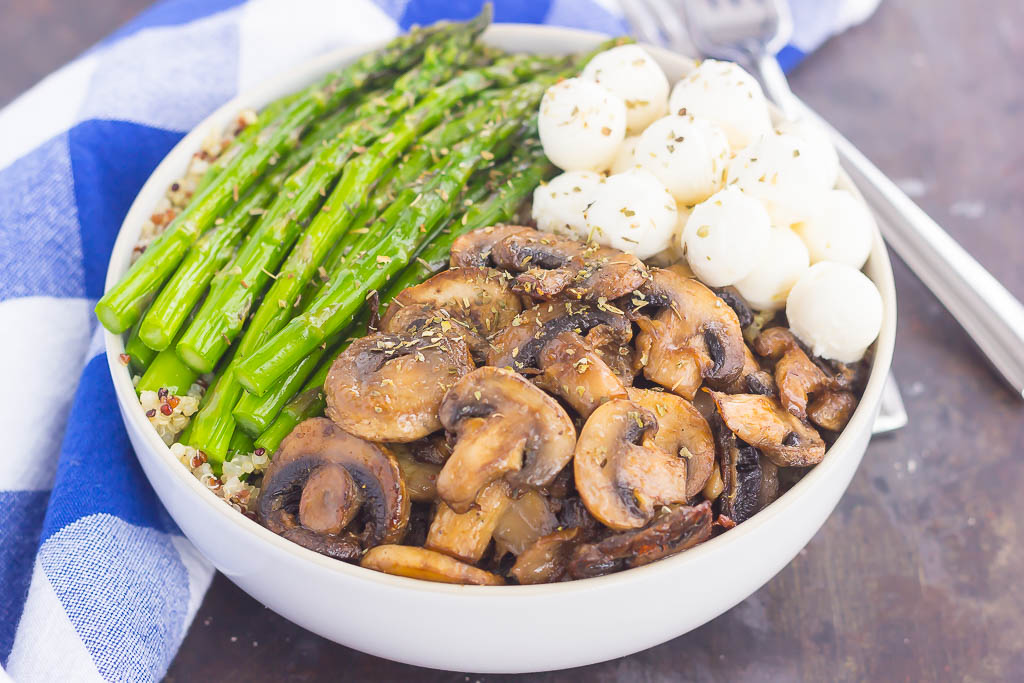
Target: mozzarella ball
<point>625,158</point>
<point>688,155</point>
<point>632,211</point>
<point>631,73</point>
<point>558,205</point>
<point>784,260</point>
<point>776,170</point>
<point>726,95</point>
<point>836,310</point>
<point>819,148</point>
<point>841,230</point>
<point>725,237</point>
<point>581,125</point>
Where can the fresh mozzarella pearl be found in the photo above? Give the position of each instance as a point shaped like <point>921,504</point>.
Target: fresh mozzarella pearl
<point>820,150</point>
<point>631,73</point>
<point>688,155</point>
<point>726,95</point>
<point>625,158</point>
<point>632,211</point>
<point>780,266</point>
<point>558,205</point>
<point>725,237</point>
<point>777,171</point>
<point>841,230</point>
<point>836,310</point>
<point>581,125</point>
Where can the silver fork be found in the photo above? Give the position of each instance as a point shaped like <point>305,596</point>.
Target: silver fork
<point>749,32</point>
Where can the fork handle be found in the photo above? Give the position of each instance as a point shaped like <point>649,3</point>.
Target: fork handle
<point>987,311</point>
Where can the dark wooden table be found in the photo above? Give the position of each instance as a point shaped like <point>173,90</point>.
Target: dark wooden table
<point>917,575</point>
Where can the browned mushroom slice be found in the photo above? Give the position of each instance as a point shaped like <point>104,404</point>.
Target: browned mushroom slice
<point>470,303</point>
<point>575,372</point>
<point>504,426</point>
<point>429,565</point>
<point>694,336</point>
<point>555,267</point>
<point>671,532</point>
<point>749,481</point>
<point>387,387</point>
<point>682,431</point>
<point>832,409</point>
<point>420,477</point>
<point>321,478</point>
<point>612,345</point>
<point>546,559</point>
<point>760,421</point>
<point>527,518</point>
<point>518,345</point>
<point>473,250</point>
<point>752,379</point>
<point>795,373</point>
<point>621,475</point>
<point>465,535</point>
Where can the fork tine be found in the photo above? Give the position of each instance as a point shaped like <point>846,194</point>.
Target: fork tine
<point>643,21</point>
<point>672,25</point>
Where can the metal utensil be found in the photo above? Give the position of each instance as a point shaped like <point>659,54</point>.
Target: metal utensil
<point>658,22</point>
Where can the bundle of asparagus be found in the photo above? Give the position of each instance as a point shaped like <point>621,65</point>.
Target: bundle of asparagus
<point>354,187</point>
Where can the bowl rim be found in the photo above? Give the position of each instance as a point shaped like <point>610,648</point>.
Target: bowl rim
<point>132,412</point>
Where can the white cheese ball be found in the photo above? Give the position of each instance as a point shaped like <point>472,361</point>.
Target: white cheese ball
<point>632,74</point>
<point>688,155</point>
<point>819,149</point>
<point>632,211</point>
<point>778,171</point>
<point>783,262</point>
<point>581,125</point>
<point>726,95</point>
<point>841,230</point>
<point>624,158</point>
<point>725,237</point>
<point>836,310</point>
<point>558,205</point>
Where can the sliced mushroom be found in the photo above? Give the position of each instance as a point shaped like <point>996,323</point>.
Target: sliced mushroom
<point>466,535</point>
<point>737,303</point>
<point>613,347</point>
<point>742,476</point>
<point>761,422</point>
<point>420,477</point>
<point>470,303</point>
<point>682,431</point>
<point>752,379</point>
<point>546,559</point>
<point>504,426</point>
<point>621,475</point>
<point>474,248</point>
<point>576,373</point>
<point>555,267</point>
<point>321,479</point>
<point>387,387</point>
<point>832,409</point>
<point>694,336</point>
<point>429,565</point>
<point>673,531</point>
<point>518,345</point>
<point>796,374</point>
<point>527,518</point>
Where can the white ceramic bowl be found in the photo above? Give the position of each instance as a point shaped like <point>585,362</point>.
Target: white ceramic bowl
<point>472,628</point>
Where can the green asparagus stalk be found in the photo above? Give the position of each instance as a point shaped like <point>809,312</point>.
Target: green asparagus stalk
<point>122,305</point>
<point>139,355</point>
<point>167,372</point>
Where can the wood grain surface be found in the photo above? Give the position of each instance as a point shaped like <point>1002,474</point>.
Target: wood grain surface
<point>917,575</point>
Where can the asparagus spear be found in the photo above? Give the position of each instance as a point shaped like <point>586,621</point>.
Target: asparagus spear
<point>122,305</point>
<point>167,372</point>
<point>139,355</point>
<point>338,301</point>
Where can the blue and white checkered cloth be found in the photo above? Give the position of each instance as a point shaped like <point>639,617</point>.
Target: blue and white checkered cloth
<point>96,582</point>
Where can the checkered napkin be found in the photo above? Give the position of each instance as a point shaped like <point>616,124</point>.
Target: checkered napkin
<point>96,582</point>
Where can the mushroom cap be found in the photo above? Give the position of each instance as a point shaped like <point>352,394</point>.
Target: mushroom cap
<point>387,387</point>
<point>762,422</point>
<point>470,303</point>
<point>694,336</point>
<point>680,426</point>
<point>574,371</point>
<point>309,457</point>
<point>621,475</point>
<point>518,345</point>
<point>546,559</point>
<point>832,409</point>
<point>504,426</point>
<point>420,563</point>
<point>473,249</point>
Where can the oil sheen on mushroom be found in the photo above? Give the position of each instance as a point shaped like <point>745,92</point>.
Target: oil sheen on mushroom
<point>761,422</point>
